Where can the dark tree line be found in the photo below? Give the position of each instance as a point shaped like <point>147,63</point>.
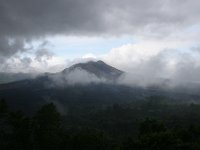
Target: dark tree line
<point>116,127</point>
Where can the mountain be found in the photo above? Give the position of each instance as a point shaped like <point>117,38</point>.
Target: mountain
<point>94,71</point>
<point>30,94</point>
<point>99,69</point>
<point>11,77</point>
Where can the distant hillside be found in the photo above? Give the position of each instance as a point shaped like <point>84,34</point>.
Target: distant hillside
<point>11,77</point>
<point>99,69</point>
<point>30,94</point>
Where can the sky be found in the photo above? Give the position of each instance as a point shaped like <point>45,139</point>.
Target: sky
<point>151,39</point>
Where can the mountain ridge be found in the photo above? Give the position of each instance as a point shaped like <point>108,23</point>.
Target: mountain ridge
<point>30,94</point>
<point>98,68</point>
<point>95,70</point>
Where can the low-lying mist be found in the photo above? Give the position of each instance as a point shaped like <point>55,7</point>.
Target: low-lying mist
<point>166,67</point>
<point>77,76</point>
<point>81,77</point>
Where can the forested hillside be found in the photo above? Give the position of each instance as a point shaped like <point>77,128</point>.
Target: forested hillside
<point>144,125</point>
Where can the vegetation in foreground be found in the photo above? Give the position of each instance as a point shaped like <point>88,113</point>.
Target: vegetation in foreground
<point>146,125</point>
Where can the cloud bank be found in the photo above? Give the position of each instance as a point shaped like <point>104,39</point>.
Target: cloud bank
<point>76,77</point>
<point>22,20</point>
<point>171,66</point>
<point>168,33</point>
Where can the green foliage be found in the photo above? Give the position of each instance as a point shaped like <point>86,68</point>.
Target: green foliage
<point>149,126</point>
<point>47,127</point>
<point>3,106</point>
<point>138,125</point>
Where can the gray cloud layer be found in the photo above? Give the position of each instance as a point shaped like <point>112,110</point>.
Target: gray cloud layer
<point>170,68</point>
<point>44,17</point>
<point>77,76</point>
<point>22,21</point>
<point>39,18</point>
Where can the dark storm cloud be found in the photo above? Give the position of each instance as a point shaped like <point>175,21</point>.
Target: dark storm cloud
<point>49,17</point>
<point>8,46</point>
<point>43,17</point>
<point>42,52</point>
<point>26,20</point>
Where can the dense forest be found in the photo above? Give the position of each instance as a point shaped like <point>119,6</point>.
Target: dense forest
<point>152,124</point>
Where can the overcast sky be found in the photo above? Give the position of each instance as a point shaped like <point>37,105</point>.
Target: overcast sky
<point>155,37</point>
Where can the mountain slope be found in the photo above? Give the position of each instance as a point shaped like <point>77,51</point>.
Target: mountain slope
<point>99,69</point>
<point>29,95</point>
<point>12,77</point>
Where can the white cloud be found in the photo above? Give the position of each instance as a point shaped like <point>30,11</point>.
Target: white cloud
<point>77,76</point>
<point>28,64</point>
<point>152,60</point>
<point>131,55</point>
<point>89,56</point>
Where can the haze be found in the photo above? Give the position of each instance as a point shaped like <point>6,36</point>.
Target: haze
<point>150,40</point>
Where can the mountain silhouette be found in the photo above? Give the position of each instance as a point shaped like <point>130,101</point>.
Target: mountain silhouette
<point>98,68</point>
